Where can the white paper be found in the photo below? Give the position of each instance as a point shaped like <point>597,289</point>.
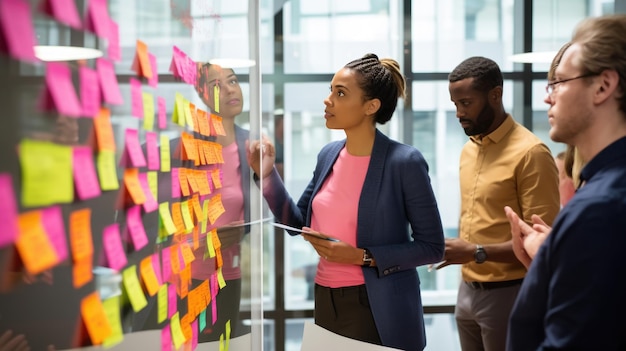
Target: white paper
<point>316,338</point>
<point>286,227</point>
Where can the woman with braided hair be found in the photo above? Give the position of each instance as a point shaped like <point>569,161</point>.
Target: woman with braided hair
<point>373,197</point>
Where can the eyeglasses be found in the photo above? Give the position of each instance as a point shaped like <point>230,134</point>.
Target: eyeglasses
<point>551,86</point>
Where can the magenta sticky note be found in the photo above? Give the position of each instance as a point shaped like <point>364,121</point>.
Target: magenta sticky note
<point>133,149</point>
<point>162,113</point>
<point>166,338</point>
<point>152,146</point>
<point>136,98</point>
<point>113,248</point>
<point>84,171</point>
<point>166,264</point>
<point>154,80</point>
<point>17,28</point>
<point>171,300</point>
<point>64,11</point>
<point>194,334</point>
<point>89,91</point>
<point>191,71</point>
<point>108,82</point>
<point>114,49</point>
<point>150,205</point>
<point>52,219</point>
<point>8,211</point>
<point>156,265</point>
<point>135,227</point>
<point>176,192</point>
<point>214,291</point>
<point>59,93</point>
<point>98,20</point>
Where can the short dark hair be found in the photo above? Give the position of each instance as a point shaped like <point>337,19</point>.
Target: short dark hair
<point>486,73</point>
<point>382,80</point>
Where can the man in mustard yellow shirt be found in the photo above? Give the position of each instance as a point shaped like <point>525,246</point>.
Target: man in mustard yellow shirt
<point>503,164</point>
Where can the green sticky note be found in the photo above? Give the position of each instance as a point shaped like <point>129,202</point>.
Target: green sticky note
<point>165,153</point>
<point>47,176</point>
<point>162,303</point>
<point>148,111</point>
<point>202,317</point>
<point>107,171</point>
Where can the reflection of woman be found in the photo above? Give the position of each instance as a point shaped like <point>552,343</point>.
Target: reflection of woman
<point>374,195</point>
<point>235,189</point>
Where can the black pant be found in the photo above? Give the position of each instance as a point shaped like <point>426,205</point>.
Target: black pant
<point>346,311</point>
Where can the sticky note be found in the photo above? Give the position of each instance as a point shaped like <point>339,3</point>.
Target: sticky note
<point>113,248</point>
<point>52,221</point>
<point>165,153</point>
<point>85,177</point>
<point>95,318</point>
<point>162,303</point>
<point>104,130</point>
<point>89,91</point>
<point>166,265</point>
<point>107,171</point>
<point>171,303</point>
<point>166,338</point>
<point>64,11</point>
<point>113,48</point>
<point>216,208</point>
<point>112,308</point>
<point>148,111</point>
<point>148,276</point>
<point>162,112</point>
<point>133,187</point>
<point>166,218</point>
<point>152,151</point>
<point>33,245</point>
<point>133,148</point>
<point>46,173</point>
<point>177,332</point>
<point>133,288</point>
<point>150,204</point>
<point>141,62</point>
<point>98,20</point>
<point>154,80</point>
<point>108,81</point>
<point>136,98</point>
<point>59,93</point>
<point>8,211</point>
<point>82,272</point>
<point>81,240</point>
<point>17,28</point>
<point>135,227</point>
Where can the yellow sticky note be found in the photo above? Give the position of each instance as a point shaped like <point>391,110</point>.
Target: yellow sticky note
<point>112,309</point>
<point>220,278</point>
<point>177,332</point>
<point>153,183</point>
<point>205,215</point>
<point>188,115</point>
<point>209,242</point>
<point>178,115</point>
<point>227,334</point>
<point>107,172</point>
<point>165,153</point>
<point>95,318</point>
<point>133,288</point>
<point>33,244</point>
<point>148,111</point>
<point>162,303</point>
<point>216,97</point>
<point>187,220</point>
<point>166,218</point>
<point>46,173</point>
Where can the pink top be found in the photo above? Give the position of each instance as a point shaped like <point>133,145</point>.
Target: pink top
<point>232,199</point>
<point>335,213</point>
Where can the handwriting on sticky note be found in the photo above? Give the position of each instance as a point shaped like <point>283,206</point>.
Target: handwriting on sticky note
<point>113,248</point>
<point>85,177</point>
<point>33,244</point>
<point>133,288</point>
<point>135,227</point>
<point>107,171</point>
<point>95,319</point>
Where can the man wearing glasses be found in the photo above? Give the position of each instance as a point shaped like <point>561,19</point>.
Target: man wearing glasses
<point>573,294</point>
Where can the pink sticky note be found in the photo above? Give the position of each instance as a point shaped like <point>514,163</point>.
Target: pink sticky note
<point>89,91</point>
<point>98,20</point>
<point>113,248</point>
<point>150,204</point>
<point>176,193</point>
<point>17,26</point>
<point>214,291</point>
<point>52,219</point>
<point>108,82</point>
<point>190,71</point>
<point>166,338</point>
<point>172,299</point>
<point>194,334</point>
<point>133,149</point>
<point>135,227</point>
<point>152,147</point>
<point>174,66</point>
<point>59,91</point>
<point>162,113</point>
<point>156,264</point>
<point>136,98</point>
<point>114,50</point>
<point>85,177</point>
<point>63,10</point>
<point>8,211</point>
<point>154,80</point>
<point>166,264</point>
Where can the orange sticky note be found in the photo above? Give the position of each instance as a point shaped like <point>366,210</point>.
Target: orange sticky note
<point>82,271</point>
<point>203,182</point>
<point>148,276</point>
<point>33,245</point>
<point>177,217</point>
<point>188,255</point>
<point>141,62</point>
<point>175,259</point>
<point>104,130</point>
<point>191,179</point>
<point>81,240</point>
<point>218,125</point>
<point>95,318</point>
<point>184,183</point>
<point>133,186</point>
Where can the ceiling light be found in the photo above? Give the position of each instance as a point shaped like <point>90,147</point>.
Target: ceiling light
<point>65,53</point>
<point>534,57</point>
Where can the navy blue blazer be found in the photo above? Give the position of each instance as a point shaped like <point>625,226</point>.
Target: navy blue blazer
<point>398,221</point>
